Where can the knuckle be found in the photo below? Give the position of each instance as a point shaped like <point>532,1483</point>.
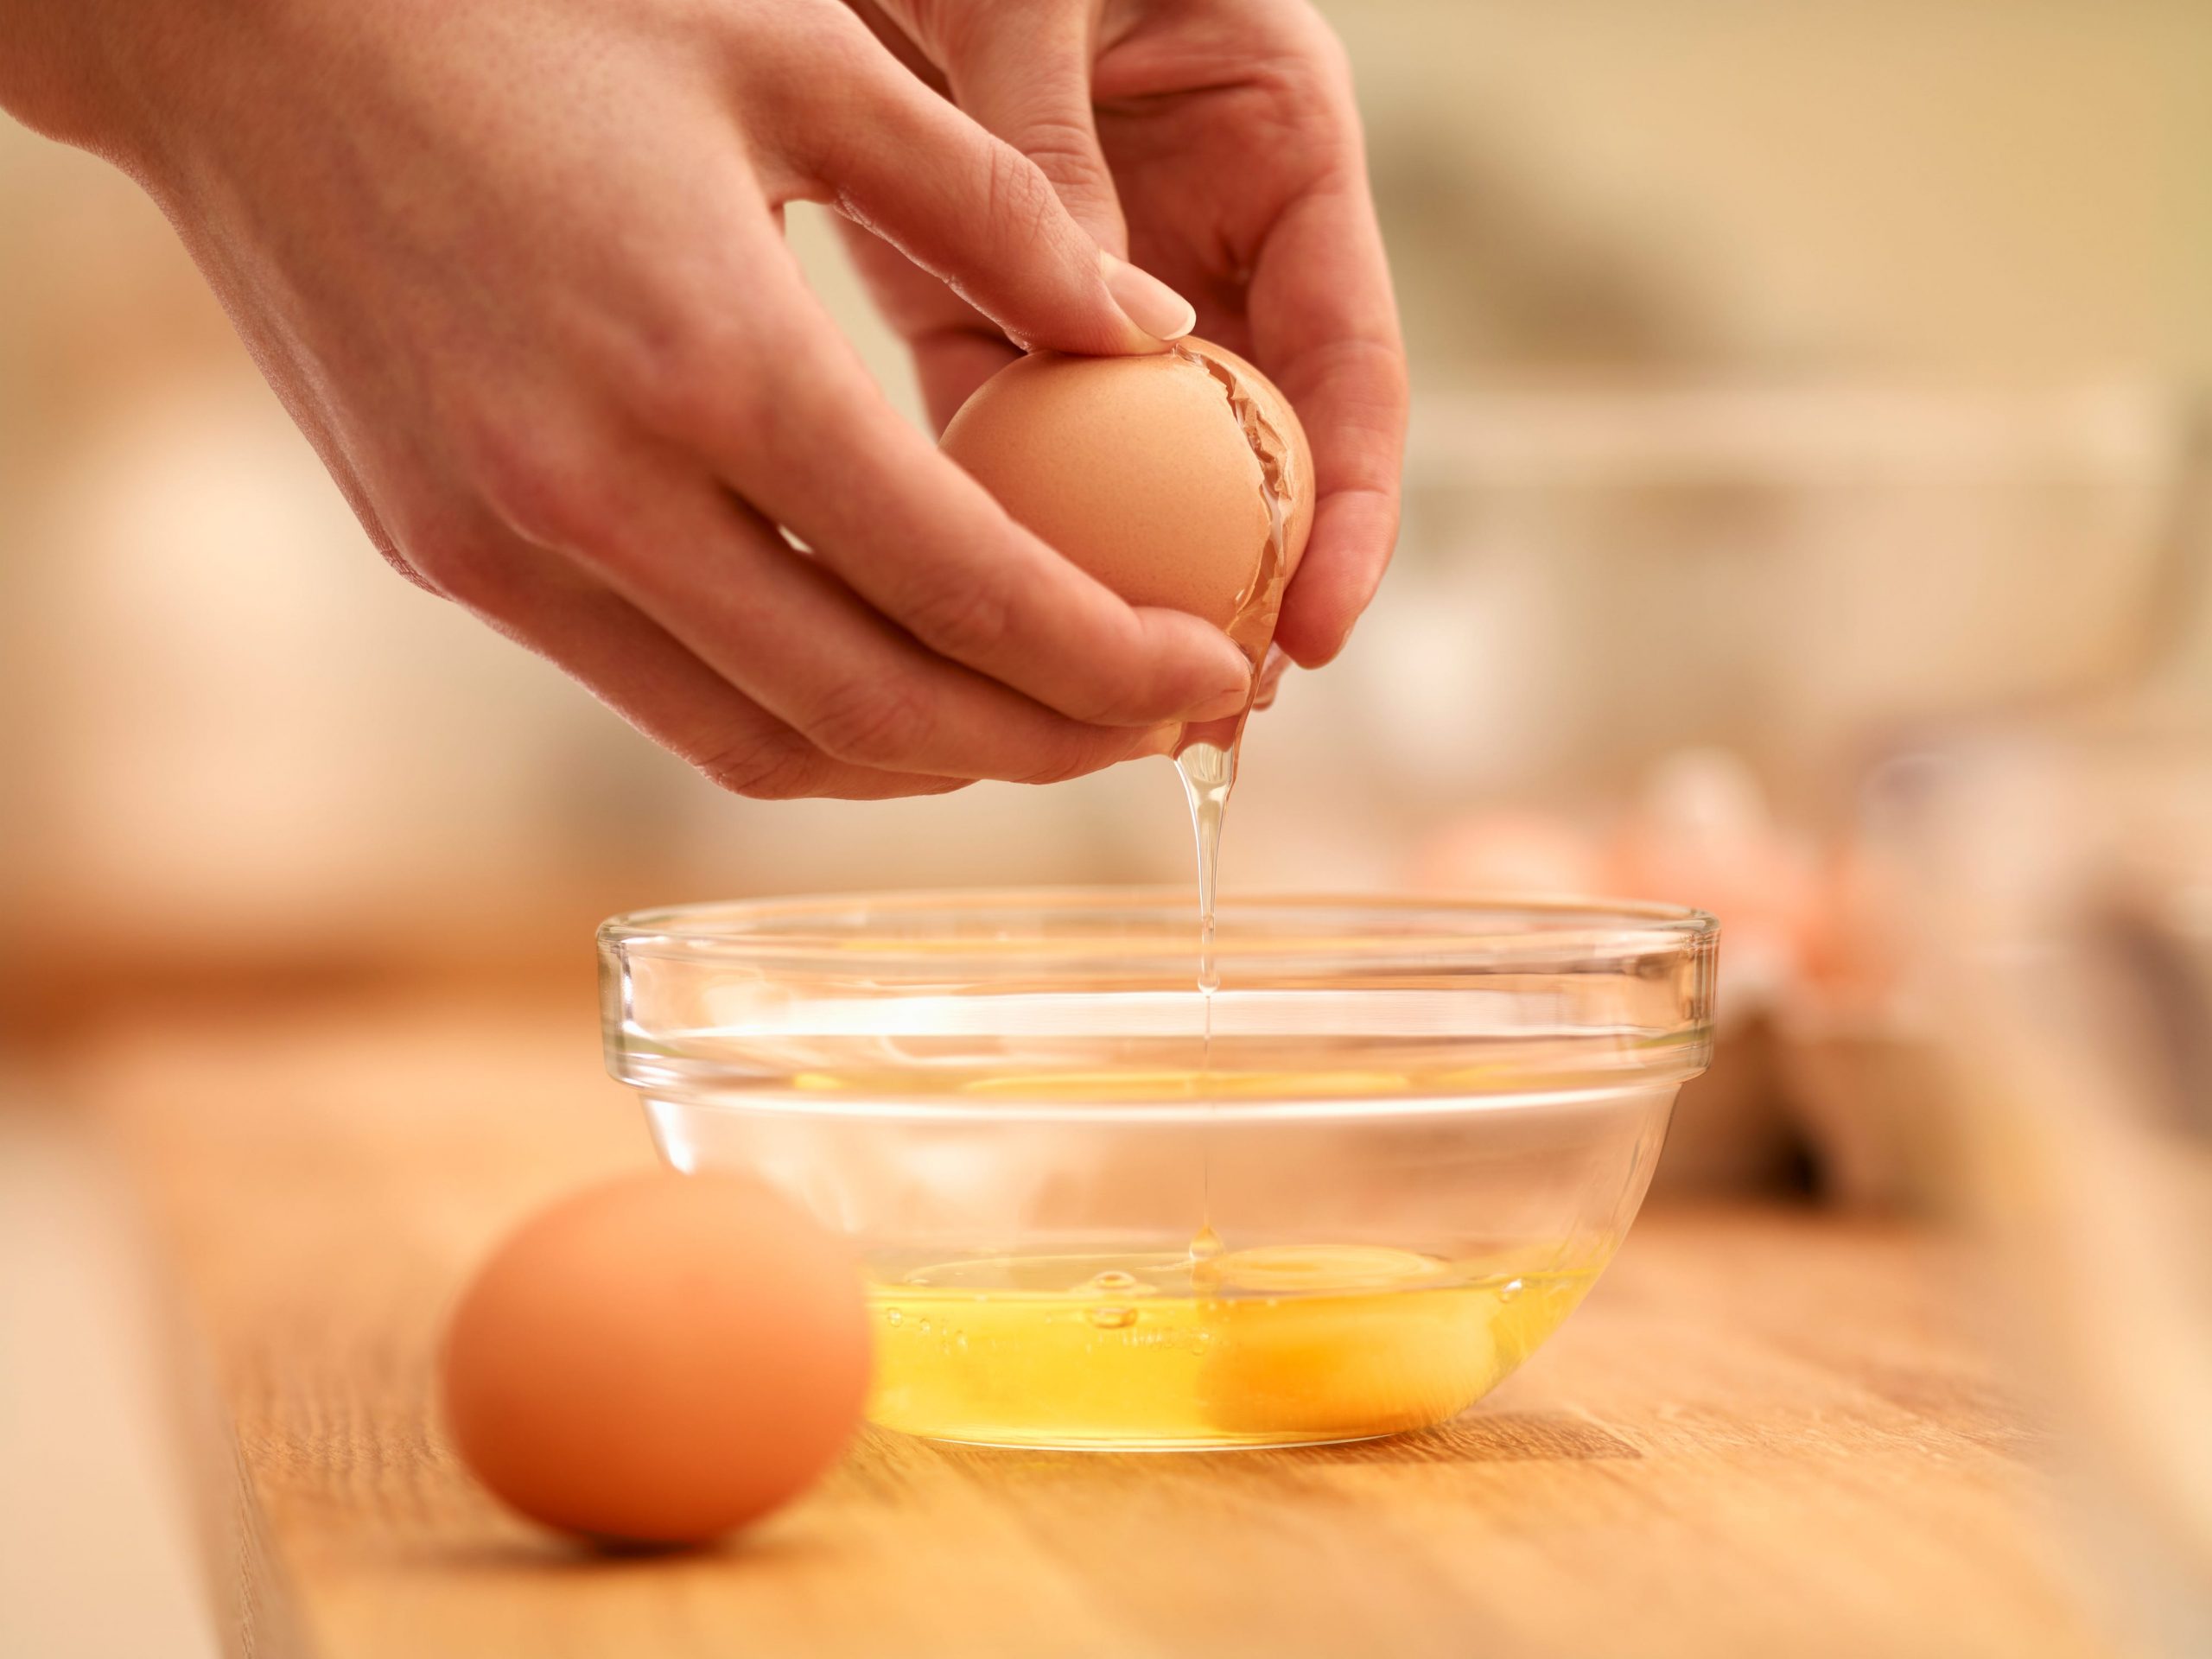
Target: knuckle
<point>1017,192</point>
<point>875,720</point>
<point>454,557</point>
<point>770,767</point>
<point>803,83</point>
<point>1061,148</point>
<point>809,106</point>
<point>693,369</point>
<point>971,621</point>
<point>1069,760</point>
<point>463,576</point>
<point>544,495</point>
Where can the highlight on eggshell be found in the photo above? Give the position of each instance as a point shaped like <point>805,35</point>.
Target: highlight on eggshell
<point>1169,477</point>
<point>658,1359</point>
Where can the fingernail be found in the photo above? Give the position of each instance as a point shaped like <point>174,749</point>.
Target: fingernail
<point>1154,308</point>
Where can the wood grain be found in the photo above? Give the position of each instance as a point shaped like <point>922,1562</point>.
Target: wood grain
<point>1764,1435</point>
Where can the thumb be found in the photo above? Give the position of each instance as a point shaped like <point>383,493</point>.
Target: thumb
<point>974,211</point>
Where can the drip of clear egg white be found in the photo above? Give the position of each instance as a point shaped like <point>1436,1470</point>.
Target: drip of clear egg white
<point>1208,768</point>
<point>1120,463</point>
<point>1209,772</point>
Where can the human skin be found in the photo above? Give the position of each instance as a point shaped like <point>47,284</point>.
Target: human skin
<point>516,270</point>
<point>1215,143</point>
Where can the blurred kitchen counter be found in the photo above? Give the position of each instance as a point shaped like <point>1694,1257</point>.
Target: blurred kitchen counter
<point>1767,1434</point>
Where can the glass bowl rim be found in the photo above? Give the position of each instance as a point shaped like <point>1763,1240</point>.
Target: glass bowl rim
<point>817,993</point>
<point>819,930</point>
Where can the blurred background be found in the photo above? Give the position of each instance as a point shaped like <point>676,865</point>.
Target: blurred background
<point>1805,518</point>
<point>1796,389</point>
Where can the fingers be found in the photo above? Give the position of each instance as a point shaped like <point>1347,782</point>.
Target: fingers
<point>1326,329</point>
<point>1316,313</point>
<point>978,215</point>
<point>817,449</point>
<point>955,347</point>
<point>793,639</point>
<point>641,672</point>
<point>1024,73</point>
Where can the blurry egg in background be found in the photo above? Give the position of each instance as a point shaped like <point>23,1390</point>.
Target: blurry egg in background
<point>1182,480</point>
<point>1812,962</point>
<point>658,1359</point>
<point>1699,831</point>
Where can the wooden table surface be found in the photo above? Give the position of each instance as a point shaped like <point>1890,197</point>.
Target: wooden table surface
<point>1765,1434</point>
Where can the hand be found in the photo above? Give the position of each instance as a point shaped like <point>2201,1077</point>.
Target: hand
<point>516,270</point>
<point>1224,133</point>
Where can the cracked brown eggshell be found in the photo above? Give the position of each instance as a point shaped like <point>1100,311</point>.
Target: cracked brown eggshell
<point>1141,470</point>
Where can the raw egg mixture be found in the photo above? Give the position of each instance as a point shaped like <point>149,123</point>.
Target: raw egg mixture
<point>1247,1347</point>
<point>1185,480</point>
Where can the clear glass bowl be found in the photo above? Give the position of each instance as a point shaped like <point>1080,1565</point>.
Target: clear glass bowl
<point>1343,1197</point>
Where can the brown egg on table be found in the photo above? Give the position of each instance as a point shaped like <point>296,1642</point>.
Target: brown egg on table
<point>658,1359</point>
<point>1182,480</point>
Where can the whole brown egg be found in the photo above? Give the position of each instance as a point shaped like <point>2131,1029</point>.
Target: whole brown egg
<point>658,1359</point>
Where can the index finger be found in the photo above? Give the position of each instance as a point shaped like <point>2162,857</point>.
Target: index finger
<point>923,544</point>
<point>1324,329</point>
